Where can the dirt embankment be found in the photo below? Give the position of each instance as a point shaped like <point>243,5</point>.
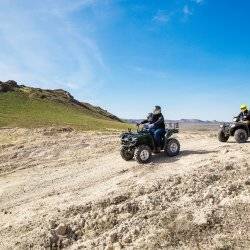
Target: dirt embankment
<point>61,188</point>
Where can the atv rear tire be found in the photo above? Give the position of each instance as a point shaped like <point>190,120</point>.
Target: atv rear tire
<point>222,137</point>
<point>143,154</point>
<point>126,154</point>
<point>172,147</point>
<point>240,135</point>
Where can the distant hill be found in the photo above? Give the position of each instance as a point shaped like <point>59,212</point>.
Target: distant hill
<point>181,121</point>
<point>24,106</point>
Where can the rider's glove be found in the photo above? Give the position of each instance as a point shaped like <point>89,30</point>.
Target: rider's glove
<point>150,125</point>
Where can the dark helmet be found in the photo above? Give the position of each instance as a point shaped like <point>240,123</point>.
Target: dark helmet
<point>157,110</point>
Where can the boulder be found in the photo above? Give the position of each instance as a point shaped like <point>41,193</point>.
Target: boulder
<point>61,229</point>
<point>8,86</point>
<point>12,83</point>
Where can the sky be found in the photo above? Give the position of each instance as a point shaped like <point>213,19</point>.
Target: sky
<point>191,57</point>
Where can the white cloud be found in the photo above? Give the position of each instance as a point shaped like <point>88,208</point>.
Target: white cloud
<point>41,44</point>
<point>149,72</point>
<point>161,17</point>
<point>186,11</point>
<point>198,1</point>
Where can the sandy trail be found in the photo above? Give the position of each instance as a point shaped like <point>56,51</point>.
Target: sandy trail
<point>44,172</point>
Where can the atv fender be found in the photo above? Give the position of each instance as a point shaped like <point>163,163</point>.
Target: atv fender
<point>244,127</point>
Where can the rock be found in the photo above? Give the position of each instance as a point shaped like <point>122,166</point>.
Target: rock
<point>12,83</point>
<point>247,182</point>
<point>229,166</point>
<point>177,180</point>
<point>200,218</point>
<point>82,222</point>
<point>118,199</point>
<point>65,242</point>
<point>112,237</point>
<point>79,233</point>
<point>52,224</point>
<point>225,151</point>
<point>136,231</point>
<point>211,178</point>
<point>109,247</point>
<point>61,229</point>
<point>131,207</point>
<point>5,88</point>
<point>127,239</point>
<point>233,188</point>
<point>14,156</point>
<point>208,194</point>
<point>53,237</point>
<point>117,246</point>
<point>75,228</point>
<point>8,86</point>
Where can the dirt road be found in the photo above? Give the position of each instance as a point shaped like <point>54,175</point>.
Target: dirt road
<point>59,187</point>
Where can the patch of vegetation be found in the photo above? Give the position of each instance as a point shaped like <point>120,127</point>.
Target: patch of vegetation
<point>19,110</point>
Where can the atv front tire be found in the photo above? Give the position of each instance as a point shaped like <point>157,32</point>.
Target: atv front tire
<point>143,154</point>
<point>240,135</point>
<point>172,147</point>
<point>126,154</point>
<point>222,137</point>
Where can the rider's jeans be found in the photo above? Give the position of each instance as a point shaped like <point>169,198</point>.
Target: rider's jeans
<point>157,134</point>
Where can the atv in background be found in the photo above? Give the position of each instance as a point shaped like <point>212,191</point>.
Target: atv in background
<point>141,144</point>
<point>238,128</point>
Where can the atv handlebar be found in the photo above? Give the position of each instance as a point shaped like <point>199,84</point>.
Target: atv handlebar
<point>142,129</point>
<point>243,120</point>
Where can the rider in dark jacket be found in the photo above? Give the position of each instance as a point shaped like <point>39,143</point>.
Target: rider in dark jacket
<point>244,115</point>
<point>156,119</point>
<point>156,126</point>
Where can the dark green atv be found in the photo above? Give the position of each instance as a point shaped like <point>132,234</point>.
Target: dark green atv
<point>141,144</point>
<point>239,129</point>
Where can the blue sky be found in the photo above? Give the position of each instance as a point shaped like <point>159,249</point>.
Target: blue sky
<point>192,57</point>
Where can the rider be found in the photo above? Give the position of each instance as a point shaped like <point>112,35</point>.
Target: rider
<point>156,126</point>
<point>244,115</point>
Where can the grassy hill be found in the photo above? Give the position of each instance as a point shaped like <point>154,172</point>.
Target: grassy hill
<point>22,106</point>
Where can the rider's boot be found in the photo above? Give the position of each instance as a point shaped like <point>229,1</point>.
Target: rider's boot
<point>157,150</point>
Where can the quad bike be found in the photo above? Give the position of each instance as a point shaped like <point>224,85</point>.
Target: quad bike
<point>239,129</point>
<point>141,144</point>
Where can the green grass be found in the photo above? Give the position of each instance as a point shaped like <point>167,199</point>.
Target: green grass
<point>18,110</point>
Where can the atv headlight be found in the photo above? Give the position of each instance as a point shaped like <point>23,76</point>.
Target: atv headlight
<point>221,126</point>
<point>134,139</point>
<point>125,139</point>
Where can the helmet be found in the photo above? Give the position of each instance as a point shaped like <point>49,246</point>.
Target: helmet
<point>243,107</point>
<point>157,110</point>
